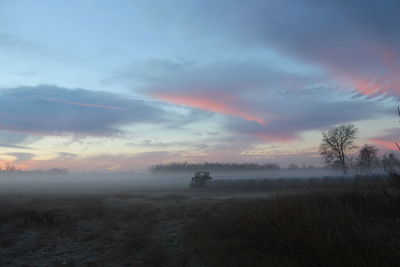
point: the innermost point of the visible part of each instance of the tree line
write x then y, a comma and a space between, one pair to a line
213, 166
336, 148
7, 168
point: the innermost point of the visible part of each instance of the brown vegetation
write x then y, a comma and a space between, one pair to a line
335, 229
317, 226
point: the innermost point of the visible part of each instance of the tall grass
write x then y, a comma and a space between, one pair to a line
331, 229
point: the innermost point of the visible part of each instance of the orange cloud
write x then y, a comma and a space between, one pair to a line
214, 105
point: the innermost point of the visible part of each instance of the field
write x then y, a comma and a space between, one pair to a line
302, 226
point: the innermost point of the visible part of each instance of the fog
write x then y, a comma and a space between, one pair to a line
120, 182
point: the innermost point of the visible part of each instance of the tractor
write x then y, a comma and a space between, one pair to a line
200, 177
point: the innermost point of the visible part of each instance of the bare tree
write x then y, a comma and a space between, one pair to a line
368, 158
336, 145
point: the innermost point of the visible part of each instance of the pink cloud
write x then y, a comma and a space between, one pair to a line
383, 79
384, 143
388, 84
217, 105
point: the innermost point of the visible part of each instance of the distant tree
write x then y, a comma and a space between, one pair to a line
368, 158
213, 166
390, 162
336, 145
57, 171
6, 167
293, 166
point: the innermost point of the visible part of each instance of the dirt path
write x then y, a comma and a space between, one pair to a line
168, 236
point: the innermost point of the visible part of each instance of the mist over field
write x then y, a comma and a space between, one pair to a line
123, 182
199, 133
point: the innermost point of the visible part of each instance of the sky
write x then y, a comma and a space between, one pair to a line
120, 85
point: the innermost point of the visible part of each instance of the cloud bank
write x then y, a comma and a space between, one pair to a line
356, 41
258, 100
52, 110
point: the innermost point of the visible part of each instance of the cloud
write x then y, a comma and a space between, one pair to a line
8, 40
20, 45
353, 49
259, 100
301, 114
388, 140
357, 42
66, 156
354, 45
16, 140
229, 88
14, 146
20, 157
185, 144
104, 162
52, 110
221, 106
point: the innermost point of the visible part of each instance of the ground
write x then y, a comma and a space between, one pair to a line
206, 227
119, 229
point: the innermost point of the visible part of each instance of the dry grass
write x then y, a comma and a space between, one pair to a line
73, 231
331, 229
357, 182
195, 228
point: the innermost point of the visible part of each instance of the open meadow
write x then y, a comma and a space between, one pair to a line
306, 223
195, 133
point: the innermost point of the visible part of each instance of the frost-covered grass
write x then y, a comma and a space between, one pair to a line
311, 229
74, 231
314, 226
